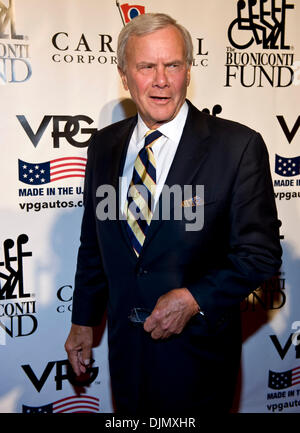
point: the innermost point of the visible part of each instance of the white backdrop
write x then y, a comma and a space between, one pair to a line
58, 83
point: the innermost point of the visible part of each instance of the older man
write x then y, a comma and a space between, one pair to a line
185, 285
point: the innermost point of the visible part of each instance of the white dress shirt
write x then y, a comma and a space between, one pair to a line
164, 150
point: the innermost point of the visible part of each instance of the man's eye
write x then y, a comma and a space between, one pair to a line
145, 67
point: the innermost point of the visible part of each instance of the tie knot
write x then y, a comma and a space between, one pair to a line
151, 136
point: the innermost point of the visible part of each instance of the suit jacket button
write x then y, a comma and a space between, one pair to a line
141, 271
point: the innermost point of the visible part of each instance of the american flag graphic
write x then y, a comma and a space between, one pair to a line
41, 173
74, 404
284, 379
287, 167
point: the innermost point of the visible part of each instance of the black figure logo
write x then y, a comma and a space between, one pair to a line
266, 26
217, 109
7, 19
14, 275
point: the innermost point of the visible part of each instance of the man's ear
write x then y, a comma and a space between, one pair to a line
123, 78
188, 77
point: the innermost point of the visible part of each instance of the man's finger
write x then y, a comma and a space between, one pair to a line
85, 359
74, 361
152, 321
171, 313
79, 347
149, 325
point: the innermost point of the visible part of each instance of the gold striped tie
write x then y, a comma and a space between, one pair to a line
141, 193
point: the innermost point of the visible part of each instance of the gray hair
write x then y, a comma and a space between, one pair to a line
146, 24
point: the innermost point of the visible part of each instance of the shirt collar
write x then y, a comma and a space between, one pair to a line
171, 130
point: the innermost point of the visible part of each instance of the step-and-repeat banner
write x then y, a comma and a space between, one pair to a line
58, 84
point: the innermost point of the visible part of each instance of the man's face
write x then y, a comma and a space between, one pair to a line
156, 75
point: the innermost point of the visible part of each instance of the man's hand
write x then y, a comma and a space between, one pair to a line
171, 313
79, 347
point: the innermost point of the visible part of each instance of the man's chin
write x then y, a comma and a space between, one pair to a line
161, 118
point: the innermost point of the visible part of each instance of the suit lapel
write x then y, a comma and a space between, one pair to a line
189, 156
119, 146
191, 150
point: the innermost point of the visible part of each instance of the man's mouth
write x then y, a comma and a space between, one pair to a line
160, 98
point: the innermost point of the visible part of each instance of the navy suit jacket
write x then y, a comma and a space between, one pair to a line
236, 250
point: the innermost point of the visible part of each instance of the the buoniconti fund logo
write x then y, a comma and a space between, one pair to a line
14, 48
17, 305
260, 53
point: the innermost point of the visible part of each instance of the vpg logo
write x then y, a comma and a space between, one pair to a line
285, 379
67, 127
63, 372
14, 53
261, 24
289, 133
292, 340
16, 310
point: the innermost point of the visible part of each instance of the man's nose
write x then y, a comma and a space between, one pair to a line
160, 77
